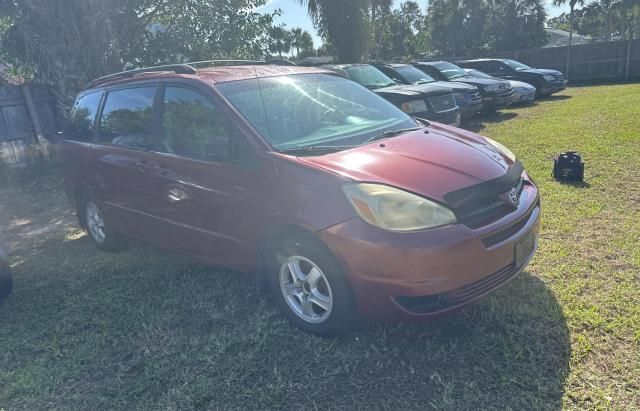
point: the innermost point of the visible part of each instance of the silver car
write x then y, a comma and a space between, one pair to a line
6, 277
522, 92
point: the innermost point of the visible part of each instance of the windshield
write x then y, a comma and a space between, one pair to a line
517, 66
450, 71
369, 76
477, 73
306, 110
413, 75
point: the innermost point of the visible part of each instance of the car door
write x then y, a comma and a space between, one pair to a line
209, 182
121, 159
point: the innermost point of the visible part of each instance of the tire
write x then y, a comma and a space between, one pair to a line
100, 232
320, 301
6, 280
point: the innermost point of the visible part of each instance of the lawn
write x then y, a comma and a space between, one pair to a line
149, 329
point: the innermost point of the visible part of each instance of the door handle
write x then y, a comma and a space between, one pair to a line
177, 195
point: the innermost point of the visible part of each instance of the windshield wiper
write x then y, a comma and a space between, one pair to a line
313, 150
390, 133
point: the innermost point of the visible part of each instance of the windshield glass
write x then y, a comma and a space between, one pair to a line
477, 73
306, 110
450, 71
413, 75
369, 76
517, 66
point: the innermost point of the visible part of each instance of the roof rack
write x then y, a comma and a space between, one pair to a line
226, 62
176, 68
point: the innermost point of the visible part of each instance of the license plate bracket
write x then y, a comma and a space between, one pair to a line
524, 248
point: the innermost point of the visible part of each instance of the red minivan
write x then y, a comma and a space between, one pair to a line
342, 204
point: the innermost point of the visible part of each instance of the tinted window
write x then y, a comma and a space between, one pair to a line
313, 109
369, 76
126, 117
516, 65
414, 76
449, 70
83, 116
193, 127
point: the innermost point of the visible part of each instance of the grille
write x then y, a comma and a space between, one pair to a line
486, 210
434, 303
443, 103
508, 232
559, 76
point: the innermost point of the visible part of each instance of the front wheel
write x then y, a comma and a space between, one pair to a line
311, 288
101, 233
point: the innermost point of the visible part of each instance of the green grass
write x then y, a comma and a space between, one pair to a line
149, 329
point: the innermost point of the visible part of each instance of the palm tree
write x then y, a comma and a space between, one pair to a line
572, 6
280, 40
344, 24
301, 40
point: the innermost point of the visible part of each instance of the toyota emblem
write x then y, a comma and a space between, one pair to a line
513, 196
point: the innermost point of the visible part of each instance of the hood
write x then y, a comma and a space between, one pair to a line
541, 72
455, 86
412, 90
431, 162
479, 81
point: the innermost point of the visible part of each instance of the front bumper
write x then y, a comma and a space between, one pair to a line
496, 101
553, 87
471, 109
523, 96
390, 271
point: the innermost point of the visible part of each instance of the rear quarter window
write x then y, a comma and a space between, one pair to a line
82, 120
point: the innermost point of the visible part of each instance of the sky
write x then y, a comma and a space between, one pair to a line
295, 15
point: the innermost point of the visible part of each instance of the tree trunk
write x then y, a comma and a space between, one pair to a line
570, 43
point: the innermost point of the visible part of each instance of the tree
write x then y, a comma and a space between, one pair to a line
67, 43
279, 40
302, 42
457, 27
343, 24
401, 32
515, 24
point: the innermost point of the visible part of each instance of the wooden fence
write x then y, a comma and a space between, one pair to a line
604, 61
27, 115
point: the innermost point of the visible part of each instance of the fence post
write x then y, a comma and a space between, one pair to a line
568, 63
31, 108
628, 65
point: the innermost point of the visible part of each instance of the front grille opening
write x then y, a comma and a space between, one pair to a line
508, 232
485, 211
429, 304
443, 103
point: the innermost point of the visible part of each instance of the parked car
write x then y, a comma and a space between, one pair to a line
496, 94
468, 97
545, 81
423, 101
522, 92
6, 276
341, 203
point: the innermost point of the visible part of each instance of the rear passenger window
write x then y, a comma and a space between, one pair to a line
82, 118
126, 118
193, 127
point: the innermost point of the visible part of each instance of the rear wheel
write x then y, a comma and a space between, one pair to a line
100, 232
310, 287
6, 280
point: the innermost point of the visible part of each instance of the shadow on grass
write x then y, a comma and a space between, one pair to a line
149, 329
554, 97
478, 123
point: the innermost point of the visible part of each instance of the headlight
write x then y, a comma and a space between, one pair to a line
414, 106
548, 77
502, 149
394, 209
459, 97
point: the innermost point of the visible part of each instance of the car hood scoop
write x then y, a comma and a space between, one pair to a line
443, 163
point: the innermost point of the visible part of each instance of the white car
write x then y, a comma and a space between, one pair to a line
6, 278
522, 92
